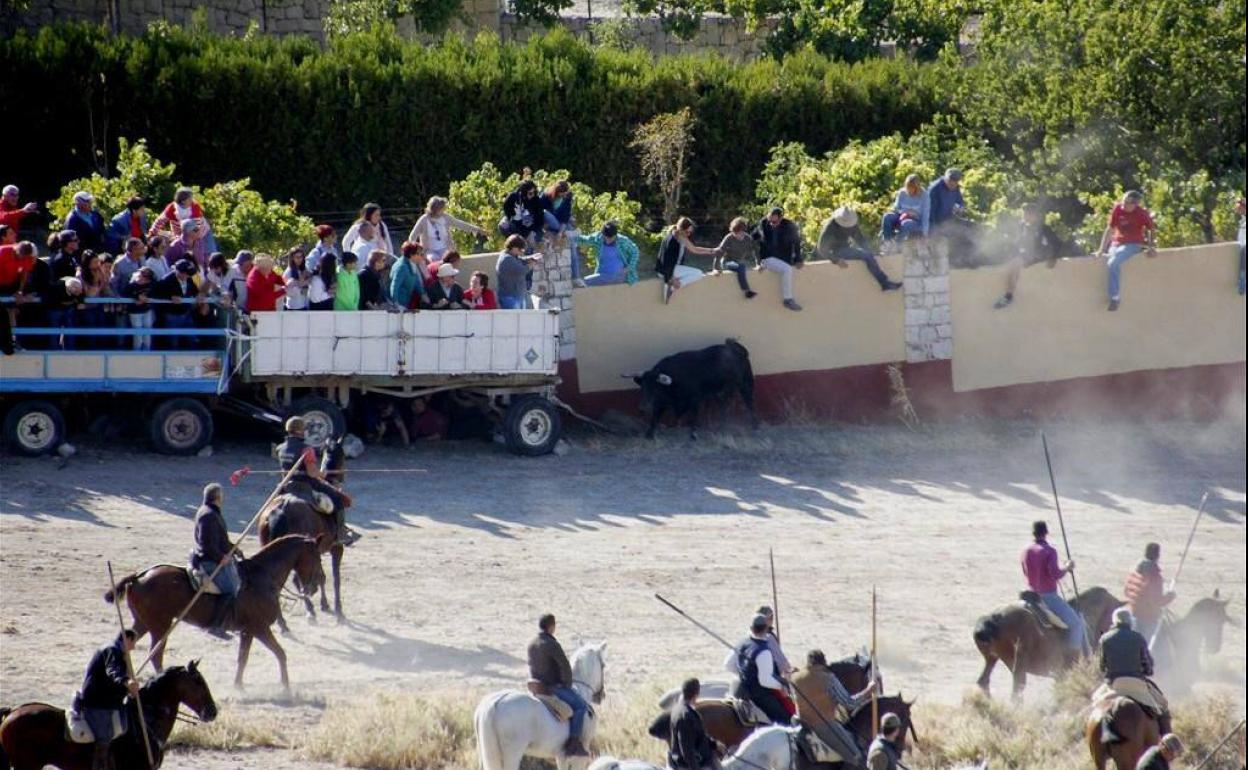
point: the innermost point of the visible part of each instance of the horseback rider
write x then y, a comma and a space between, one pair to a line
309, 479
212, 548
548, 666
758, 674
1127, 666
824, 705
773, 641
1040, 568
1160, 756
885, 751
1146, 593
101, 701
688, 745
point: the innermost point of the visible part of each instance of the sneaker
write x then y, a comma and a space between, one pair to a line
1113, 305
791, 304
891, 285
1003, 302
751, 294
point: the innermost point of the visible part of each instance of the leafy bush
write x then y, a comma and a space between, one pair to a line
240, 216
478, 198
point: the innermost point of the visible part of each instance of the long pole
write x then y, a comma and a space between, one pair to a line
1221, 743
1174, 581
147, 745
775, 597
875, 671
685, 615
202, 586
1057, 503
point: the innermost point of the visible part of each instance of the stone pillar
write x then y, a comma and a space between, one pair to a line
929, 330
552, 282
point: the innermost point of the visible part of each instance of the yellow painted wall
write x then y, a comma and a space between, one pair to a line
1179, 309
846, 321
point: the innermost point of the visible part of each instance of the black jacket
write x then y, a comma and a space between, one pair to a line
168, 288
784, 242
134, 290
1038, 242
833, 238
63, 265
547, 662
371, 291
104, 686
671, 254
533, 205
437, 293
688, 746
212, 538
1124, 652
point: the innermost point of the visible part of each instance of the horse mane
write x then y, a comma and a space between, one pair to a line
271, 552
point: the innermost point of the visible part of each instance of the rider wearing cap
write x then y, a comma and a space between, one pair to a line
309, 478
885, 751
101, 700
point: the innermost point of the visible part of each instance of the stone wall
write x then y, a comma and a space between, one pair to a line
929, 323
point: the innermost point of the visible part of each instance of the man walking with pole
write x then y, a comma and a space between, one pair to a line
1040, 567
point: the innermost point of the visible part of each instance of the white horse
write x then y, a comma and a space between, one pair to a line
511, 724
611, 763
768, 748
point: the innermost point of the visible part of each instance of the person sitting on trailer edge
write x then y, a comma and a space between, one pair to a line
308, 481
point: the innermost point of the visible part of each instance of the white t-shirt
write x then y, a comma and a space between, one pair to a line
296, 295
317, 291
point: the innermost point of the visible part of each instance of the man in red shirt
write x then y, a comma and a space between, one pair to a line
1131, 230
1146, 592
12, 212
1039, 562
16, 262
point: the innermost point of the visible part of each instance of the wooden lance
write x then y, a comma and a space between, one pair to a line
875, 669
775, 597
147, 746
1174, 581
685, 615
1061, 522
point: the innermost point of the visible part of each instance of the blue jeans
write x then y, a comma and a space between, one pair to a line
178, 321
741, 270
599, 279
63, 318
1118, 256
853, 252
892, 226
142, 321
1076, 638
227, 581
507, 302
579, 708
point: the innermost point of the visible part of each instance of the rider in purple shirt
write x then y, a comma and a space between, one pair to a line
1042, 572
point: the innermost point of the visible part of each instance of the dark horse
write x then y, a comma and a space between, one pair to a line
33, 735
1012, 635
723, 724
288, 515
1180, 642
156, 596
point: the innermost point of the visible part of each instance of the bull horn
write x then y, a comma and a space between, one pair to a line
665, 379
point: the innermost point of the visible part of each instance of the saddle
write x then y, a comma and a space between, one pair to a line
557, 708
199, 578
1047, 619
319, 501
78, 731
815, 748
746, 712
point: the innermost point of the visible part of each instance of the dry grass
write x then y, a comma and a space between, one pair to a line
393, 730
229, 732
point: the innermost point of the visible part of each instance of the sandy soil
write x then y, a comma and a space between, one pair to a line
459, 560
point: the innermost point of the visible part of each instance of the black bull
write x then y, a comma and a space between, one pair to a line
682, 381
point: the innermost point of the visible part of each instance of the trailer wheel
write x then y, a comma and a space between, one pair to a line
322, 417
180, 426
532, 426
33, 428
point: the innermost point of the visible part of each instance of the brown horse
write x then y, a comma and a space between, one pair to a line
156, 595
33, 735
1135, 728
723, 724
1180, 642
1012, 635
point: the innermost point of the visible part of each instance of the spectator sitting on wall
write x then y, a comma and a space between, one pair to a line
445, 294
12, 212
296, 276
374, 286
264, 286
676, 245
426, 422
479, 295
84, 220
618, 256
557, 217
1130, 230
836, 242
1239, 212
514, 270
187, 244
179, 288
326, 238
157, 246
63, 247
407, 277
780, 251
347, 293
1033, 243
131, 260
946, 217
738, 250
130, 223
140, 315
433, 229
451, 258
523, 214
380, 238
63, 302
909, 212
321, 287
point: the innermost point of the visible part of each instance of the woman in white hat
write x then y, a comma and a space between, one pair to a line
445, 293
837, 242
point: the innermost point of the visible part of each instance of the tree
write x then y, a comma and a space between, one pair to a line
664, 144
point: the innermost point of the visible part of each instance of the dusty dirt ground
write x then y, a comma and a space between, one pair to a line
458, 561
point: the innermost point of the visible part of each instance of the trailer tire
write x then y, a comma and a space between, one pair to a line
180, 426
323, 419
33, 428
532, 426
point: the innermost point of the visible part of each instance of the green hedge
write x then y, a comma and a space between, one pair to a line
372, 117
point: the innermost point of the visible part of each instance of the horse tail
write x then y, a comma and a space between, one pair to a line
112, 595
987, 629
489, 747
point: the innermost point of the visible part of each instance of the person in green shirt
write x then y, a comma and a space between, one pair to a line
347, 295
